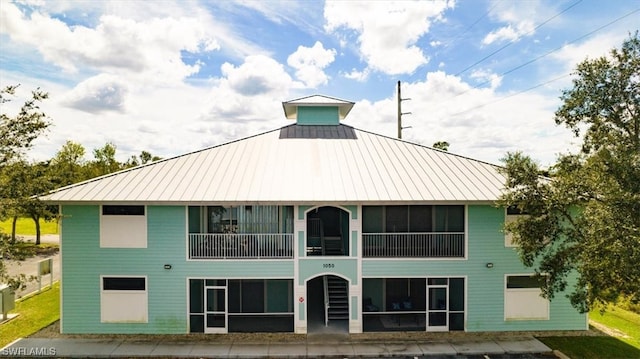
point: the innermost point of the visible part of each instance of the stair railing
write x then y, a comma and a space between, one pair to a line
325, 281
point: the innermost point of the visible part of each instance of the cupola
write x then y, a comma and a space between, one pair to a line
317, 110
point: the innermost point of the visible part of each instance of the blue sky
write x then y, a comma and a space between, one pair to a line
171, 77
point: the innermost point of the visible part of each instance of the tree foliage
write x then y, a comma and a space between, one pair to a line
18, 132
585, 219
68, 164
441, 145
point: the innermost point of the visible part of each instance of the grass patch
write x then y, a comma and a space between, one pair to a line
590, 347
622, 340
626, 324
26, 227
36, 312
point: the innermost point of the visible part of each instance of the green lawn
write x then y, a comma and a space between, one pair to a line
26, 227
36, 312
592, 347
623, 320
624, 344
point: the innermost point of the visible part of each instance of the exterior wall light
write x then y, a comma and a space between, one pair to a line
489, 265
167, 266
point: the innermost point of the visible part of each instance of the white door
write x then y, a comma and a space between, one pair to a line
215, 318
437, 308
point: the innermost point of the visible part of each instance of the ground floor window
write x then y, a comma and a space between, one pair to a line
413, 304
123, 299
240, 305
522, 300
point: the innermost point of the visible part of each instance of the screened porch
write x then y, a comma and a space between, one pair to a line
242, 232
422, 231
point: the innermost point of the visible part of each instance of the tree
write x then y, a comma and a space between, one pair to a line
19, 184
441, 145
18, 132
105, 161
13, 187
67, 166
31, 206
585, 219
144, 158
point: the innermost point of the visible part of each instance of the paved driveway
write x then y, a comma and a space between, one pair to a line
29, 267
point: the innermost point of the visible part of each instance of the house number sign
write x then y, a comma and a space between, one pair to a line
328, 265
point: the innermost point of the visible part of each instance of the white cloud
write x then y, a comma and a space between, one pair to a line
520, 18
483, 76
258, 75
99, 94
508, 33
360, 76
592, 48
168, 120
387, 31
149, 49
310, 63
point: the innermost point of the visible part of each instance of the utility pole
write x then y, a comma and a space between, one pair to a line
400, 113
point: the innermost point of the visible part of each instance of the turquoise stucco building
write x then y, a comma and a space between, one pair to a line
311, 225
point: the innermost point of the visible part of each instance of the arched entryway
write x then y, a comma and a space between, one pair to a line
327, 232
327, 304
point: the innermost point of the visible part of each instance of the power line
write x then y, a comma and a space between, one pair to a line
511, 95
461, 35
516, 39
552, 51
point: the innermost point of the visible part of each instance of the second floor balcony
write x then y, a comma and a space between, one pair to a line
280, 245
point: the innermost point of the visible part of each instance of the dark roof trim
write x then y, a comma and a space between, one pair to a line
333, 132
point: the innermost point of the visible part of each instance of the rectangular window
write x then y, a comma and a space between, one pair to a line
420, 219
397, 219
123, 227
414, 219
123, 283
524, 281
449, 218
240, 219
123, 210
123, 300
514, 211
372, 219
522, 299
252, 300
260, 296
512, 214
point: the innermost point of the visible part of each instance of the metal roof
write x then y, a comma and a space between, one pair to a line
266, 168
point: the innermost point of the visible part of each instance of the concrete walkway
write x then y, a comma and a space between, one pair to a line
517, 347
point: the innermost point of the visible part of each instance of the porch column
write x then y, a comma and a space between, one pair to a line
300, 290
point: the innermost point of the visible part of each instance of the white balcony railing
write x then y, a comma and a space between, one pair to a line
414, 245
240, 246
